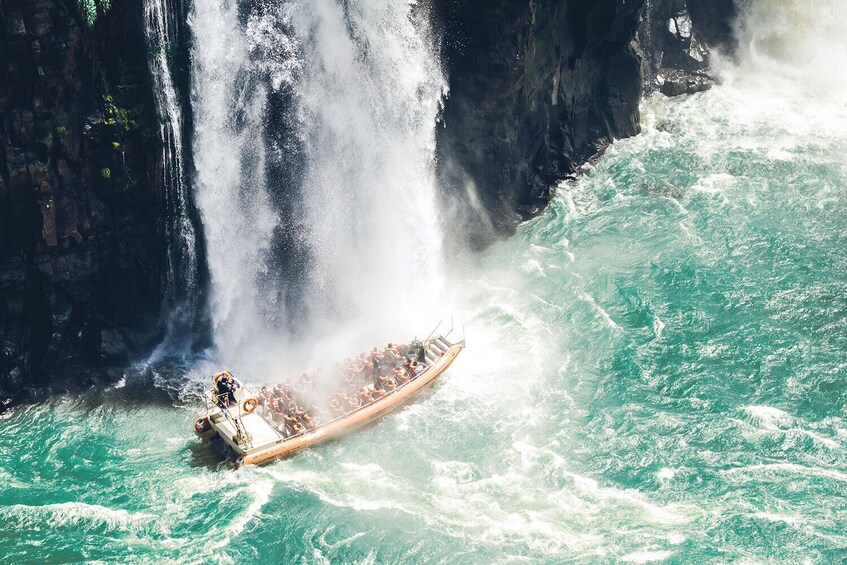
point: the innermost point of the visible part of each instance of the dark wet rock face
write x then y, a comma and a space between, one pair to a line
536, 88
677, 38
81, 247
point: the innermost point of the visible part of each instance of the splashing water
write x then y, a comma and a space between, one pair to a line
362, 87
803, 39
182, 291
238, 219
654, 374
370, 94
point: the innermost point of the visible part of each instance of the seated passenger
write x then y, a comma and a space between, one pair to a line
335, 406
401, 376
364, 396
264, 398
376, 394
352, 401
308, 421
388, 383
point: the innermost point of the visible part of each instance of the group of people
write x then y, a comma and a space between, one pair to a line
365, 379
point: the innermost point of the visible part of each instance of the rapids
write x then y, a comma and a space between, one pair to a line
654, 372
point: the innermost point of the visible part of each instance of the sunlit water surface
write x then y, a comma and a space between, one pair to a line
655, 371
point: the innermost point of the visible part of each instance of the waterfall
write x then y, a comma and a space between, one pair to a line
182, 288
370, 94
314, 146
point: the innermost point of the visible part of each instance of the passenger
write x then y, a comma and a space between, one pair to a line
264, 398
376, 363
364, 397
401, 376
226, 388
376, 394
306, 379
294, 425
308, 421
388, 383
335, 406
352, 402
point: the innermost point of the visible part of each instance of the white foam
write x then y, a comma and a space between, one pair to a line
751, 471
647, 556
658, 326
768, 417
76, 515
603, 314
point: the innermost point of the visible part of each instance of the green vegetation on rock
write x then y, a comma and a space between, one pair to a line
90, 9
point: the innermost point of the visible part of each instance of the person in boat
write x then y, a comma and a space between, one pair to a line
376, 364
226, 388
364, 397
335, 406
351, 401
376, 394
388, 382
265, 398
401, 376
417, 368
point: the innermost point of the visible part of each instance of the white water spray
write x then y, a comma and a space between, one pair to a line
801, 39
229, 156
365, 86
182, 281
370, 95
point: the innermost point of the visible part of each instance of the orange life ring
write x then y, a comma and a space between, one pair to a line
202, 425
250, 404
218, 376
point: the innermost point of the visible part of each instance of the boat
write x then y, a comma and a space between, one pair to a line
253, 436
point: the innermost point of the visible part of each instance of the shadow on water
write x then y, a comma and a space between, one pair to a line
210, 453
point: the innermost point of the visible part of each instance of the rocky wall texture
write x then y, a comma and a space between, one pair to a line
677, 38
537, 87
81, 243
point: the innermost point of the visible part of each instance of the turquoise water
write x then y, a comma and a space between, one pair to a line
655, 372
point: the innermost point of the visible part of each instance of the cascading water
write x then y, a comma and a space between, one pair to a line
656, 368
369, 95
229, 103
362, 86
182, 288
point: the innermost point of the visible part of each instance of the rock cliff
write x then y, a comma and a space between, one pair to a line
81, 243
536, 88
677, 38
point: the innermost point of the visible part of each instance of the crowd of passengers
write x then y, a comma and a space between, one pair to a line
365, 379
